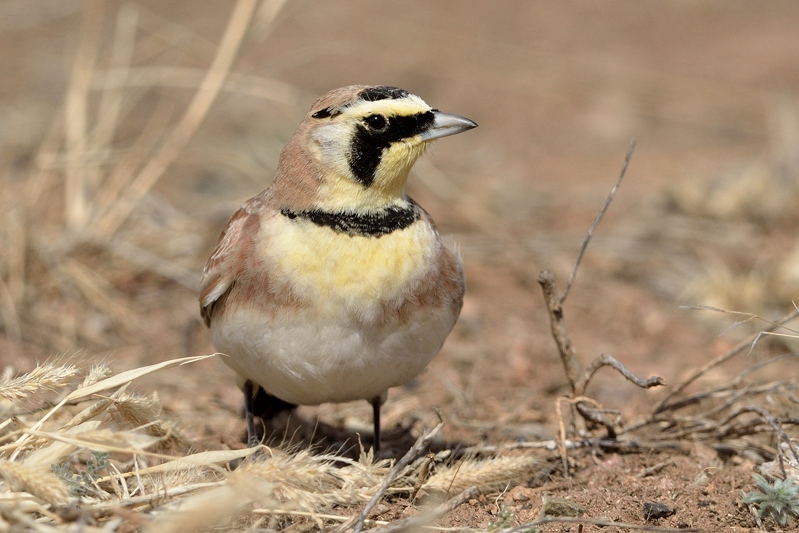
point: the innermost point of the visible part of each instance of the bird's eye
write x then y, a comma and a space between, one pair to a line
376, 123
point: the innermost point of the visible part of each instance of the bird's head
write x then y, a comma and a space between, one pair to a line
356, 146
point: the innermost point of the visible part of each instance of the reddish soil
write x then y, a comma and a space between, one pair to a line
708, 90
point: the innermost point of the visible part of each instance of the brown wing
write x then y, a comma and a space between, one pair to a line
229, 258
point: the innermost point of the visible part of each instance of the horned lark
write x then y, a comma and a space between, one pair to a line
332, 284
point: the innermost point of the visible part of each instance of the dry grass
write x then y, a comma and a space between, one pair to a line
108, 458
79, 454
82, 209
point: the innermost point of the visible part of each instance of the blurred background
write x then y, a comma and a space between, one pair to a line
129, 132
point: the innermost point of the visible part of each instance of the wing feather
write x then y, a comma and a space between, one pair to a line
226, 262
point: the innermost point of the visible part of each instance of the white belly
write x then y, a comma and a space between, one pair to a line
309, 359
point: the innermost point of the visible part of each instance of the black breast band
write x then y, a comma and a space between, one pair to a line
375, 224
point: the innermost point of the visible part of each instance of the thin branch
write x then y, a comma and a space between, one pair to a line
555, 301
773, 422
570, 444
609, 360
598, 416
417, 448
663, 404
599, 216
564, 457
413, 523
594, 522
558, 328
425, 470
733, 392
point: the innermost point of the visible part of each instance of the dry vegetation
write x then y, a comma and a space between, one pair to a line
80, 452
110, 461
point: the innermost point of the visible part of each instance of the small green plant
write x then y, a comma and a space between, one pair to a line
504, 520
83, 482
779, 500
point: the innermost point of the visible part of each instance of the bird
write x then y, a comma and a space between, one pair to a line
332, 284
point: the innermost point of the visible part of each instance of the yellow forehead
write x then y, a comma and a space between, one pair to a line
405, 106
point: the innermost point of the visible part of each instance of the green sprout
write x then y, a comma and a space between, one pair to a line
81, 483
505, 520
779, 500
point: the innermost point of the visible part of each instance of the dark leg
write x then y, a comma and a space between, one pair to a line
376, 418
252, 438
261, 404
266, 406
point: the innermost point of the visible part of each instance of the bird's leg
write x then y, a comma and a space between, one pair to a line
376, 401
252, 438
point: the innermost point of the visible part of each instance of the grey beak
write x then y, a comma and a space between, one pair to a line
446, 124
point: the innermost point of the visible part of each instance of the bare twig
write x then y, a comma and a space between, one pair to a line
591, 411
571, 444
732, 391
598, 416
423, 472
417, 448
558, 327
599, 216
699, 428
609, 360
562, 440
654, 469
572, 367
594, 522
555, 301
775, 423
546, 279
413, 523
664, 405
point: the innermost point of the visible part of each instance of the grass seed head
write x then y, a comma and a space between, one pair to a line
486, 474
39, 482
44, 378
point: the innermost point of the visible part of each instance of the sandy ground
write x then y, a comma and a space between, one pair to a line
705, 216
